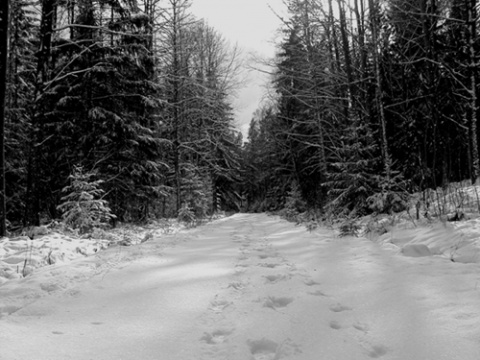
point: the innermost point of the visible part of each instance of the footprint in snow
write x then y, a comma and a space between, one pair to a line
239, 271
311, 282
263, 349
50, 287
218, 306
237, 285
339, 308
318, 293
73, 292
335, 325
376, 351
270, 279
361, 327
9, 309
277, 302
271, 265
216, 337
242, 265
237, 239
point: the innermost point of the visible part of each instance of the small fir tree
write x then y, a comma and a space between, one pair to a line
82, 207
186, 215
353, 178
294, 203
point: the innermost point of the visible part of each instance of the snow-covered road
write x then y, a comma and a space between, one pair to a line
248, 287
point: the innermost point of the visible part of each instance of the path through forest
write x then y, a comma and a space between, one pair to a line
250, 287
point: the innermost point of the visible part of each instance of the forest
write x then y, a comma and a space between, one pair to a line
122, 109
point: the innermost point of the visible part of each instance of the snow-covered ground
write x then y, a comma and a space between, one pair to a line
246, 287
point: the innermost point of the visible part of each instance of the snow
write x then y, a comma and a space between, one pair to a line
246, 287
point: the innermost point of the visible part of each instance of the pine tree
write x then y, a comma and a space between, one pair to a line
198, 76
99, 108
4, 22
20, 85
83, 207
353, 178
265, 179
427, 82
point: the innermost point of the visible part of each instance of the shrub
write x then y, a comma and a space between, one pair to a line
186, 215
82, 207
294, 203
349, 228
388, 202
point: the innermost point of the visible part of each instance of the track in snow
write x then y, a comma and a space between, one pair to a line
253, 287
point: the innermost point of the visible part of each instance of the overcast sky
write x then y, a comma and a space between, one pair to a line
253, 26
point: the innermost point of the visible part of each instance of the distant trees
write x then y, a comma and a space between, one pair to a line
197, 71
265, 174
392, 89
324, 113
370, 98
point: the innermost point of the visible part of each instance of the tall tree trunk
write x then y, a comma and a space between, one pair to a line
176, 103
332, 36
32, 207
346, 51
379, 90
46, 30
472, 19
311, 57
4, 21
359, 14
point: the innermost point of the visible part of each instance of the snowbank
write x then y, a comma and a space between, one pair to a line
20, 256
455, 241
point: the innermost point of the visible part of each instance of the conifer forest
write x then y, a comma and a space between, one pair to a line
126, 106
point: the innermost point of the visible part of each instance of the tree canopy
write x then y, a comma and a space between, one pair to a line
371, 98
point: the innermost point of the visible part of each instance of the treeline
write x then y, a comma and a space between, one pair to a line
126, 103
372, 99
130, 95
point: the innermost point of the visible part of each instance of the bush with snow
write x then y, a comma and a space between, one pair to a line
349, 227
82, 207
186, 215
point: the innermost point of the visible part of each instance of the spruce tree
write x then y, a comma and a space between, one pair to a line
4, 23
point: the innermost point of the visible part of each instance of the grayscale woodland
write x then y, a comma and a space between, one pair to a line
126, 105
